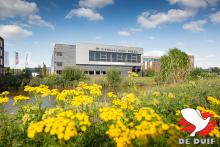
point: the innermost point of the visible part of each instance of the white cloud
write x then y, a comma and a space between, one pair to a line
148, 20
86, 13
24, 9
38, 21
134, 30
124, 33
155, 53
95, 3
14, 8
194, 3
195, 26
13, 31
215, 18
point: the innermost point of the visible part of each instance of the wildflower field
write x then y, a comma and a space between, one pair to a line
86, 116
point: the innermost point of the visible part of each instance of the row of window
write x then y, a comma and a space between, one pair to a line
114, 57
1, 52
1, 43
151, 60
91, 72
1, 61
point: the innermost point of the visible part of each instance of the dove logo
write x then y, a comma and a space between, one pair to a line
196, 122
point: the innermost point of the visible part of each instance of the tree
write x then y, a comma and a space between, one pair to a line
175, 67
44, 70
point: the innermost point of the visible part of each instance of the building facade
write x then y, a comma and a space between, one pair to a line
151, 62
96, 59
1, 55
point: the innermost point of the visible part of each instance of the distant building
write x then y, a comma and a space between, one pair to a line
1, 55
96, 59
152, 62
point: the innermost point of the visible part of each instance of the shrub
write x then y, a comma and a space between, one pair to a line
73, 74
196, 73
114, 76
175, 67
149, 73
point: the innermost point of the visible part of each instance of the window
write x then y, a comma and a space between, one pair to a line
86, 72
91, 72
114, 57
1, 52
97, 72
1, 61
91, 56
1, 43
59, 54
59, 63
103, 56
59, 71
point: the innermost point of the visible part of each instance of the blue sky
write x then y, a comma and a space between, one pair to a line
155, 25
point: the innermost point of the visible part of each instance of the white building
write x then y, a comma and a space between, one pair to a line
96, 59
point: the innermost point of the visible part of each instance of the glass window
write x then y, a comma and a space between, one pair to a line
103, 56
91, 56
97, 56
91, 72
120, 57
59, 54
97, 72
109, 57
1, 43
1, 61
114, 57
1, 52
59, 63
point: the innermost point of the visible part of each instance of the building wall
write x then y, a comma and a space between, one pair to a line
67, 58
79, 55
1, 55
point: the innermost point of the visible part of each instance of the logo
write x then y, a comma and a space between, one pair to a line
196, 122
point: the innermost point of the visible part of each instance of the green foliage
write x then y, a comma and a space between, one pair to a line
175, 67
114, 77
196, 73
50, 80
44, 70
149, 73
70, 74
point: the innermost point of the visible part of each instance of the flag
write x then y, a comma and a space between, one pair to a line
16, 58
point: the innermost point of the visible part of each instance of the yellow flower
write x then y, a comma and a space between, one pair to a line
4, 100
156, 93
64, 125
81, 100
170, 95
110, 113
20, 98
111, 95
213, 100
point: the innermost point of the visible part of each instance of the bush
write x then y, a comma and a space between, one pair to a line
114, 77
51, 81
73, 74
149, 73
175, 67
196, 73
